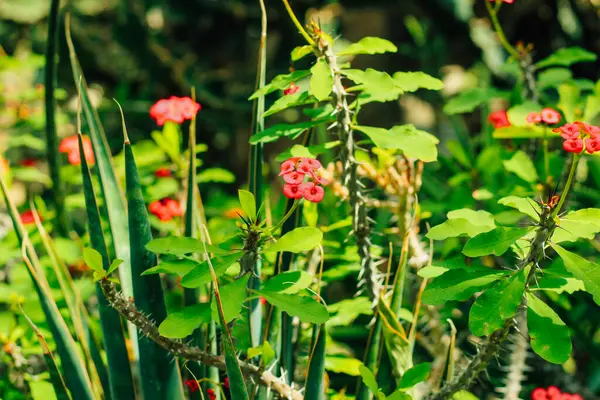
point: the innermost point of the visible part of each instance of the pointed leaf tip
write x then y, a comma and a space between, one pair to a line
125, 136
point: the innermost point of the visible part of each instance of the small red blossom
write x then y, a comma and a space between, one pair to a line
591, 130
292, 191
294, 170
226, 383
534, 118
162, 173
165, 209
312, 192
192, 384
29, 162
27, 217
568, 131
291, 90
578, 136
263, 301
176, 109
573, 145
70, 145
550, 116
211, 394
553, 393
294, 177
499, 119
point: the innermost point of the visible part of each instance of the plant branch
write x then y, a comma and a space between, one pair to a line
127, 309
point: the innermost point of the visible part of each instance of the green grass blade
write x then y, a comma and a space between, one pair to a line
190, 296
58, 193
60, 388
76, 376
120, 376
315, 380
159, 370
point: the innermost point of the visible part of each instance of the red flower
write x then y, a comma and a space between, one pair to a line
226, 383
162, 173
592, 145
589, 129
176, 109
29, 162
294, 177
165, 209
27, 217
539, 394
573, 145
292, 191
70, 145
499, 119
291, 90
287, 166
192, 384
575, 134
534, 118
550, 116
312, 192
211, 394
568, 131
263, 301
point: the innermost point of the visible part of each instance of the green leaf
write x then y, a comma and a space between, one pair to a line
459, 284
182, 323
584, 270
550, 337
321, 81
93, 259
521, 165
464, 395
413, 142
304, 307
266, 350
370, 381
201, 275
413, 81
525, 205
416, 374
584, 223
280, 82
566, 57
376, 86
568, 98
399, 395
315, 378
346, 311
343, 365
494, 242
41, 390
592, 108
297, 241
290, 282
298, 150
463, 222
521, 132
179, 267
114, 265
553, 77
217, 175
301, 52
467, 101
290, 100
278, 131
248, 203
21, 12
233, 296
180, 246
369, 45
497, 304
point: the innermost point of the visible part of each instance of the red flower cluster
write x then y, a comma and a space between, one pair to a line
499, 119
211, 394
192, 384
162, 173
294, 170
70, 145
575, 135
27, 217
292, 89
547, 116
553, 393
166, 209
176, 109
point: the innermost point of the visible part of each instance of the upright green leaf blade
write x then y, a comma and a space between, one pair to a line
315, 378
248, 203
550, 337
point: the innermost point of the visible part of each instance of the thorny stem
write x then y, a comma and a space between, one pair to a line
127, 309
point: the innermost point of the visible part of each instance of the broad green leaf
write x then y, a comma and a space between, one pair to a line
114, 265
297, 241
493, 242
280, 82
369, 45
265, 350
93, 259
180, 246
521, 165
180, 267
375, 86
233, 296
413, 81
370, 381
248, 203
467, 101
413, 142
568, 98
290, 100
525, 205
584, 270
217, 175
566, 57
201, 275
459, 284
463, 222
290, 282
287, 130
478, 218
41, 390
584, 223
521, 132
416, 374
553, 77
550, 337
321, 81
301, 52
497, 303
343, 365
399, 395
346, 311
464, 395
182, 323
304, 307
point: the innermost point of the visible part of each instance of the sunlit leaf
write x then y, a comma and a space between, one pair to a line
566, 57
550, 337
321, 81
297, 241
584, 270
180, 324
460, 285
369, 45
494, 242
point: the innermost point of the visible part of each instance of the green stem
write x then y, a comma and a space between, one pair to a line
567, 187
498, 28
297, 23
546, 160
